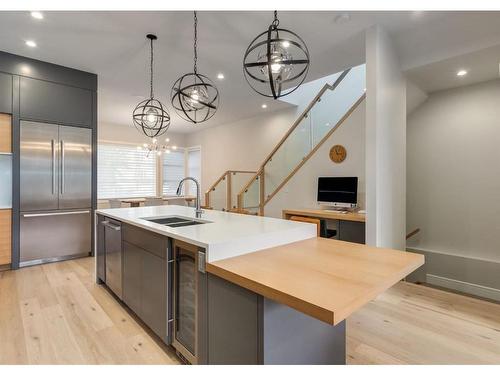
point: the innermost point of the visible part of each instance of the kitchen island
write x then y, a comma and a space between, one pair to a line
238, 289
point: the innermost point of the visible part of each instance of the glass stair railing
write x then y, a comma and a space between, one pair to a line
222, 195
325, 114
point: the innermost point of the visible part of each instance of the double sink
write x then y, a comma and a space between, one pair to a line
175, 221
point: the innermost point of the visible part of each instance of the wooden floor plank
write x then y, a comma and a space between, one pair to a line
70, 319
36, 335
12, 343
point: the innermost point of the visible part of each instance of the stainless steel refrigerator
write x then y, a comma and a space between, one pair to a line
55, 192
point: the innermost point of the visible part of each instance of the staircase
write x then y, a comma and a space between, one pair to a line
322, 117
222, 195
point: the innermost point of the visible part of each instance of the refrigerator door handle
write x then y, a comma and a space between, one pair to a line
53, 144
62, 167
57, 213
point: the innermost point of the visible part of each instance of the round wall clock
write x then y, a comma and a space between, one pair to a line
338, 153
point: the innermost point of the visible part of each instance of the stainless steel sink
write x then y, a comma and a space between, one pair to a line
174, 221
184, 223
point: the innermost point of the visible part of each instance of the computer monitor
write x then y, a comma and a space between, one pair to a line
338, 191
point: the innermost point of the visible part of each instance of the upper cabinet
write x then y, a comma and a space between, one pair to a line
52, 102
5, 93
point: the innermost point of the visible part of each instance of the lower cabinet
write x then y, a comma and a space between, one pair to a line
351, 231
146, 287
154, 293
132, 278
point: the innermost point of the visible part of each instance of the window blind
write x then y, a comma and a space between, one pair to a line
124, 171
174, 168
194, 167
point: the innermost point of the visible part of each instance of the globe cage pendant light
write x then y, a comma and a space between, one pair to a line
276, 62
150, 116
194, 96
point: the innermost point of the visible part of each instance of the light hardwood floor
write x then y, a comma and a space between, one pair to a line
56, 314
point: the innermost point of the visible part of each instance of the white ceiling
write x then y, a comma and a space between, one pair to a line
482, 65
113, 45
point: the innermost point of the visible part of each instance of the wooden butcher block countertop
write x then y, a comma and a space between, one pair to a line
326, 279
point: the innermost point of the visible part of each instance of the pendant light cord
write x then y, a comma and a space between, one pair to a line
276, 21
151, 66
195, 42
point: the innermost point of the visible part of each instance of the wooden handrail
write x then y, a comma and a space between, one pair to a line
263, 200
327, 86
412, 233
311, 153
304, 113
222, 177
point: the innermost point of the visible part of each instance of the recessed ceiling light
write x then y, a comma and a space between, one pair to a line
25, 69
220, 76
461, 73
30, 43
264, 106
37, 15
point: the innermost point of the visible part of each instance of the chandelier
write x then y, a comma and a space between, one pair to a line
194, 96
157, 148
276, 62
150, 116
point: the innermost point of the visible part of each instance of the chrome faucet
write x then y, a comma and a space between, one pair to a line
199, 211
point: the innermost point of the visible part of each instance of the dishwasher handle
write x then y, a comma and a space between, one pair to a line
107, 224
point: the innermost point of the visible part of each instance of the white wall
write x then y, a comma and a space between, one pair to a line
242, 145
127, 133
415, 96
301, 189
453, 172
385, 143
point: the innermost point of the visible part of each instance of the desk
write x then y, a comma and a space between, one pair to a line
351, 225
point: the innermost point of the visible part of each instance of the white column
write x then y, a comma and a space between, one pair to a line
385, 143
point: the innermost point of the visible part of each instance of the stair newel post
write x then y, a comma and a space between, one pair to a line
207, 199
262, 196
228, 190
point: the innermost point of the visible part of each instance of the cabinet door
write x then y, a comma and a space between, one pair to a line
52, 102
351, 231
154, 293
5, 93
132, 269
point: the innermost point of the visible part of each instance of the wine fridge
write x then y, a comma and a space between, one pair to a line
189, 263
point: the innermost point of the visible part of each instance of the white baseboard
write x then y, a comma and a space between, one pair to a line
475, 289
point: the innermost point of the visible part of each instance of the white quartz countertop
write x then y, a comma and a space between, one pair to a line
225, 234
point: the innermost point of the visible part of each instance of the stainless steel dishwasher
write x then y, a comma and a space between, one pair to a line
113, 251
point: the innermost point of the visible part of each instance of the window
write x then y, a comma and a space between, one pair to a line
174, 168
125, 171
194, 167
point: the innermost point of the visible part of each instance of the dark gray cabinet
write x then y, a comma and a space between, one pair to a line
51, 102
154, 293
351, 231
146, 278
5, 93
132, 270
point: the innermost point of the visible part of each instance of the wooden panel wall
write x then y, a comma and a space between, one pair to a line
5, 133
5, 236
5, 214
